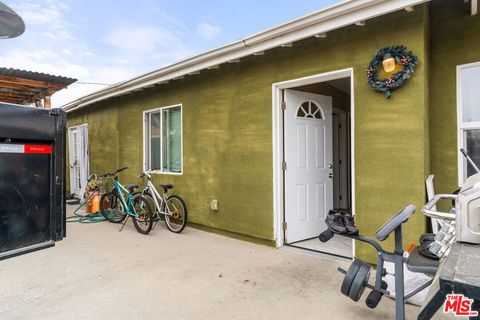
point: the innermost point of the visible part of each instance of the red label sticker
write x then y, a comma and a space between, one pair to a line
38, 149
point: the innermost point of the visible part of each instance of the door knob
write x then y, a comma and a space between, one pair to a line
330, 166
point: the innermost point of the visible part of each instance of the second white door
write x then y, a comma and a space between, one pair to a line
78, 158
308, 157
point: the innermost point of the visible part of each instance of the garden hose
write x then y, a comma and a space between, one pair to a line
88, 218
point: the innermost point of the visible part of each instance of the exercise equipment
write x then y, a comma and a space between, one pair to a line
460, 224
358, 274
464, 217
465, 154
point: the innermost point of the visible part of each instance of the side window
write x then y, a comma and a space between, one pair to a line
468, 104
163, 140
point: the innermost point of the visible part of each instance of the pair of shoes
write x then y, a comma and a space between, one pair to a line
334, 222
341, 222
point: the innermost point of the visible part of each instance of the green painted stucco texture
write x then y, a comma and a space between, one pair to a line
455, 40
227, 129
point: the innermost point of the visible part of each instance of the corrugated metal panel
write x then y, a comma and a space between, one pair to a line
37, 76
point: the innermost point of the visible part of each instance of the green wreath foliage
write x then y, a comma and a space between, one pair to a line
402, 57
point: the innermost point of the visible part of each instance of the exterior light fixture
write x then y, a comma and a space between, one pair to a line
11, 24
388, 63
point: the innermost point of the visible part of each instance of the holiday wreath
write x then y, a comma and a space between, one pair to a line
402, 57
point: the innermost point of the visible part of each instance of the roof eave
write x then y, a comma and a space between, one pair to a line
334, 17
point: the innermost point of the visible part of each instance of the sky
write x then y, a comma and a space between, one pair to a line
105, 42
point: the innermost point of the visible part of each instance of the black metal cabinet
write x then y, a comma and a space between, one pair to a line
32, 178
458, 273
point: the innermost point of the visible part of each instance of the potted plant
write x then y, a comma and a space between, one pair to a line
93, 194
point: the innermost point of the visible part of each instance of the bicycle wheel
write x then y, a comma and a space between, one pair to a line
178, 220
111, 208
144, 222
151, 202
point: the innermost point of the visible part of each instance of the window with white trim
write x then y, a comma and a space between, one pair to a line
163, 139
468, 104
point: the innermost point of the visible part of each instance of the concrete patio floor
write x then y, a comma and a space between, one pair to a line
100, 273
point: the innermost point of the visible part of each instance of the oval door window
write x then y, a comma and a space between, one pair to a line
310, 110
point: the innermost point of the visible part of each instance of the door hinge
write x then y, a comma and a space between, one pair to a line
284, 226
284, 105
284, 166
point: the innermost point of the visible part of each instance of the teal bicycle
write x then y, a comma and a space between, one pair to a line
121, 202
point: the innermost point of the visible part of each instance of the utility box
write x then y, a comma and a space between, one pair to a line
32, 178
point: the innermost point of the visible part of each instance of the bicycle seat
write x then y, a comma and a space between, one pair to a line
399, 218
132, 186
167, 186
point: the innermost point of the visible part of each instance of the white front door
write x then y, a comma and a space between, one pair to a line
308, 157
78, 158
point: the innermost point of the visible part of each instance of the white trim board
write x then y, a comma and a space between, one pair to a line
319, 23
461, 126
277, 134
144, 151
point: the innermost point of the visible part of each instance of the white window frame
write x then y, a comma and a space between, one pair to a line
463, 126
146, 139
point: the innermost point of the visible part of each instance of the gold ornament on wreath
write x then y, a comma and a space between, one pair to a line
391, 58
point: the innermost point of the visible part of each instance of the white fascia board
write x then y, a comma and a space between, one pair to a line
337, 16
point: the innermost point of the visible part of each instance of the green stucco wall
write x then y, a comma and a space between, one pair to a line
390, 135
227, 127
455, 40
103, 135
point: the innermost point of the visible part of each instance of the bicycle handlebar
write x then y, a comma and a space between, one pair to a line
121, 169
113, 173
145, 174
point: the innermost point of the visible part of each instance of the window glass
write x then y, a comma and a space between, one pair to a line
172, 140
472, 138
155, 141
470, 93
164, 136
309, 110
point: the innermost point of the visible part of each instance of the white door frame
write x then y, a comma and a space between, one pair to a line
87, 164
277, 127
